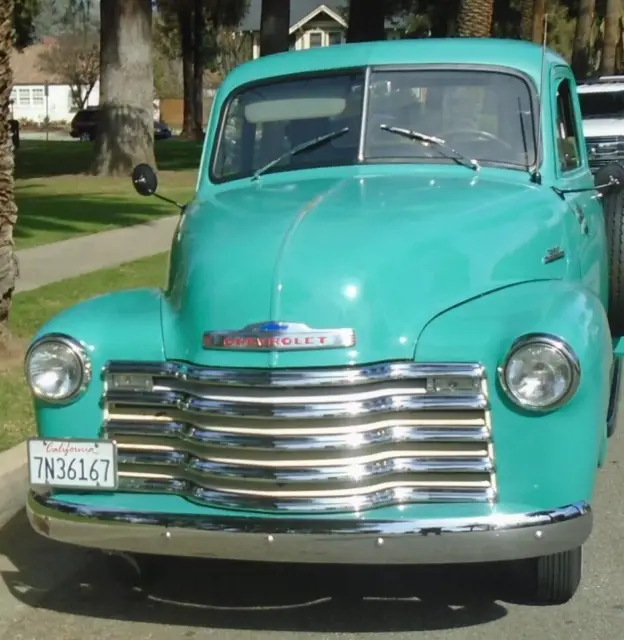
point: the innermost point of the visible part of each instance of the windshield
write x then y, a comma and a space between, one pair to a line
602, 105
482, 115
267, 121
477, 115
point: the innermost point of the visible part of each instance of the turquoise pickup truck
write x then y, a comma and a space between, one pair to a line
389, 333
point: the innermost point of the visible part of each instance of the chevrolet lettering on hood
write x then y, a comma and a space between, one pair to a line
282, 336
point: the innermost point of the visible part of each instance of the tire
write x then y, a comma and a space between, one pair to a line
613, 205
132, 571
552, 580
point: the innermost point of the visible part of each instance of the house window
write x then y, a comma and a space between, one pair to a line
334, 37
38, 96
23, 97
315, 39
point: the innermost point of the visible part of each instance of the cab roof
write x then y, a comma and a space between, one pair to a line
521, 55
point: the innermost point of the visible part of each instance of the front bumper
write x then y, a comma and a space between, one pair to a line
340, 541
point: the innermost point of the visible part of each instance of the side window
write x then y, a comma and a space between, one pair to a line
568, 141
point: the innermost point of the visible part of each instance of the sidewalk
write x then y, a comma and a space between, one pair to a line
75, 257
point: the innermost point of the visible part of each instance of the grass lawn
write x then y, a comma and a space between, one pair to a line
57, 200
32, 308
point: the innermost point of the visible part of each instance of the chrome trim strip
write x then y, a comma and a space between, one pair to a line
383, 494
560, 345
211, 407
357, 469
317, 377
352, 436
81, 354
495, 537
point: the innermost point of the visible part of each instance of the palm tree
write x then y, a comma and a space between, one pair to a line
8, 210
582, 38
611, 37
475, 18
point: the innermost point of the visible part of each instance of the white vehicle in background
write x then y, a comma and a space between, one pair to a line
602, 107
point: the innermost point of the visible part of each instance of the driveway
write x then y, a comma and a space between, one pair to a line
57, 592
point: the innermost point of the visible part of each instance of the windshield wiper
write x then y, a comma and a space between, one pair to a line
304, 146
438, 142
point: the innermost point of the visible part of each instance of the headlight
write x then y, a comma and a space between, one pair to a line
540, 373
57, 368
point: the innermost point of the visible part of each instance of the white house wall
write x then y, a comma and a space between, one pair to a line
29, 102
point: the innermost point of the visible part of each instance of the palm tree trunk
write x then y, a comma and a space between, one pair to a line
611, 37
539, 11
582, 38
8, 209
274, 27
526, 20
475, 18
366, 21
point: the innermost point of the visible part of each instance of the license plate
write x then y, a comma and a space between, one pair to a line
72, 464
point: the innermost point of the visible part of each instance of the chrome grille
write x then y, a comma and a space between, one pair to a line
304, 440
604, 150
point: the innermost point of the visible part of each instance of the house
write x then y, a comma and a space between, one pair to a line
312, 24
37, 95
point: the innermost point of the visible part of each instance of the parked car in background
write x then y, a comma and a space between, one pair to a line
602, 108
85, 122
389, 334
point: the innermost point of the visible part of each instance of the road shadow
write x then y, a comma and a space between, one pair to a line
41, 159
44, 217
246, 596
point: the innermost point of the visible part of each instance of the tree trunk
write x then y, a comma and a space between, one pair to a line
185, 21
8, 209
199, 26
582, 38
366, 21
126, 128
274, 27
611, 37
475, 18
539, 13
526, 20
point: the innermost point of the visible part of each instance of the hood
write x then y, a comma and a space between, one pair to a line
381, 255
602, 127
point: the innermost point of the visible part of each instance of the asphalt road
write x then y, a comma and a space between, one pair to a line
58, 592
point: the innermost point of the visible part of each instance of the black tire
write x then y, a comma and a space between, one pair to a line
132, 571
613, 205
552, 580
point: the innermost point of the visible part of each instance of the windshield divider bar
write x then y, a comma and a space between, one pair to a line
365, 101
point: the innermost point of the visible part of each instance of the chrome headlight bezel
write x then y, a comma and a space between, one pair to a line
553, 342
77, 350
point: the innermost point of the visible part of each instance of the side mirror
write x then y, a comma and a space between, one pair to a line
145, 180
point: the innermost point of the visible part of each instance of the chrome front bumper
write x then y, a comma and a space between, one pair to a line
448, 541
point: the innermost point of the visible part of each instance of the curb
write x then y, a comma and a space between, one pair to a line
13, 482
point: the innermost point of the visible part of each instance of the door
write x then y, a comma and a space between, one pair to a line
572, 172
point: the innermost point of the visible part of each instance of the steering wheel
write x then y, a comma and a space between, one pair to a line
477, 134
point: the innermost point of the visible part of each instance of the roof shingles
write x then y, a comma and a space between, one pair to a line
25, 65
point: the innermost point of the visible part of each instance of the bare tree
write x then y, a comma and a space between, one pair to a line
126, 126
232, 48
75, 59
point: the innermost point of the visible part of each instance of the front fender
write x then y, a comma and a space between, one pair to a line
124, 325
541, 459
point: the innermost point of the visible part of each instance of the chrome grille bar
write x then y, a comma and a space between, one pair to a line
304, 440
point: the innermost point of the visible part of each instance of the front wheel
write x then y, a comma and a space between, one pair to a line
554, 579
133, 570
